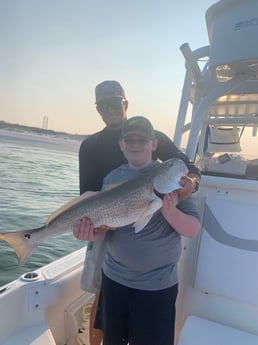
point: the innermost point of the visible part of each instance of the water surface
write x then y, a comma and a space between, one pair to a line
35, 181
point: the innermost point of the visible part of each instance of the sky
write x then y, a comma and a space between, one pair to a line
54, 53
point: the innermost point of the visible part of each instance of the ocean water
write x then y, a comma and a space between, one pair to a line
37, 175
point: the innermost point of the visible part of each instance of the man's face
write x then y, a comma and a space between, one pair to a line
113, 111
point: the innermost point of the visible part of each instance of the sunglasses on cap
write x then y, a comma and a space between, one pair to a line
115, 104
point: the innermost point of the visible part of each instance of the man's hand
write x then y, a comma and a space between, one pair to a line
189, 185
84, 230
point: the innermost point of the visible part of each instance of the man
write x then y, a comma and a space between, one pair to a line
100, 153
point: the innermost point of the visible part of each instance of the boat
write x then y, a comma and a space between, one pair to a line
218, 273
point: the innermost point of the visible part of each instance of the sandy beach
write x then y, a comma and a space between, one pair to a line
37, 140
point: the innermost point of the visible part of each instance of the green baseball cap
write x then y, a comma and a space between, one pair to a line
138, 125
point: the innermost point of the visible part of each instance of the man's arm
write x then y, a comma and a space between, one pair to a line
89, 176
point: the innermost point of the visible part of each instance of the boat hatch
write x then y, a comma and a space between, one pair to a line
198, 331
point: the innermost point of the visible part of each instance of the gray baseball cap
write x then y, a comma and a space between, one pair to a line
109, 89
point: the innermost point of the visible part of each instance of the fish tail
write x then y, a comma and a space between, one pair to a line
19, 240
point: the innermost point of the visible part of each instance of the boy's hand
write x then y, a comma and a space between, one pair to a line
170, 201
84, 230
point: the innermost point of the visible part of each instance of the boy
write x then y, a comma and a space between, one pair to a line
139, 281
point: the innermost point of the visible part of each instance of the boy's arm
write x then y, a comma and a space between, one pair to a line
185, 224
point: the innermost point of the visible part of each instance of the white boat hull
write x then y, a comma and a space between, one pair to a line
45, 306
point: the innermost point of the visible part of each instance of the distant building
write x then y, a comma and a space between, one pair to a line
45, 122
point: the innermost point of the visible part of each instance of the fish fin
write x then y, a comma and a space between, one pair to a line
69, 204
78, 199
20, 244
144, 219
142, 222
113, 185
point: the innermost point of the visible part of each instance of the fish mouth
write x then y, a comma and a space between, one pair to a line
158, 194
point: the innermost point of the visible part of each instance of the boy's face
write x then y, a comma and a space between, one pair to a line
138, 150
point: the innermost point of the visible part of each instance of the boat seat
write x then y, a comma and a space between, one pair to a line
37, 335
198, 331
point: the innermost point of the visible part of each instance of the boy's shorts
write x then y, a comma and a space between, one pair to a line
136, 316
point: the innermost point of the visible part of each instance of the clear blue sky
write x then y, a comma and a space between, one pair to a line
54, 52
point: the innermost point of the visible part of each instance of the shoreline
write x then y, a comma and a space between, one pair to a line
48, 142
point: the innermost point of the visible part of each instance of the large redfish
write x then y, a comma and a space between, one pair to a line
132, 202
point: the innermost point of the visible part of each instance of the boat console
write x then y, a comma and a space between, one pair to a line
217, 127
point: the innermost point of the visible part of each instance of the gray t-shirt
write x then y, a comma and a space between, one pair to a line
146, 260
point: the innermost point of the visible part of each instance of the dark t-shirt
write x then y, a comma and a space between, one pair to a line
100, 153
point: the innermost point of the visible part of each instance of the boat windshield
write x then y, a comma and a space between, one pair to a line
230, 151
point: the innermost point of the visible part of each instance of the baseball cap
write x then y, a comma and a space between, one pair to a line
138, 125
109, 89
